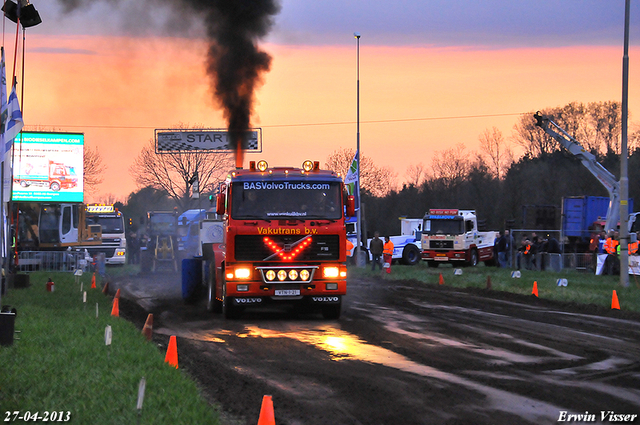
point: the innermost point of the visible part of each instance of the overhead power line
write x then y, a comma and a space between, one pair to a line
457, 117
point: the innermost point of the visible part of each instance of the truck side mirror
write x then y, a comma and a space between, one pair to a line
220, 204
351, 206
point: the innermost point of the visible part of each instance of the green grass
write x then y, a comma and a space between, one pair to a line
61, 363
582, 288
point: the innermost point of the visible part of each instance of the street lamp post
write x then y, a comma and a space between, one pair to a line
624, 177
359, 257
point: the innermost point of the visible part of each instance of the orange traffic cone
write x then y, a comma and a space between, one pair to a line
535, 288
267, 416
488, 282
115, 310
105, 290
93, 281
172, 352
117, 294
441, 282
147, 330
614, 301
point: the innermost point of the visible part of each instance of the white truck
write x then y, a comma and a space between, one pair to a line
406, 246
452, 236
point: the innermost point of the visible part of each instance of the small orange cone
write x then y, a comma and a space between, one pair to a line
93, 281
267, 416
614, 301
172, 352
115, 310
105, 290
535, 288
441, 282
488, 282
147, 330
117, 294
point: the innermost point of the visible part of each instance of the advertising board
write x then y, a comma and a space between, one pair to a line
48, 167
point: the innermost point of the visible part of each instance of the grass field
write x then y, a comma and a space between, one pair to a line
60, 363
582, 288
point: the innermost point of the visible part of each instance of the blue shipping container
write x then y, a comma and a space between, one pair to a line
580, 212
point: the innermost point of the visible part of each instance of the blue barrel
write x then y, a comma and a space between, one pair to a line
191, 277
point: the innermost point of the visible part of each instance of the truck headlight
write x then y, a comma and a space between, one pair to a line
330, 272
242, 273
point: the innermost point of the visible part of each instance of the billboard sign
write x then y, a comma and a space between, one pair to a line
48, 167
171, 141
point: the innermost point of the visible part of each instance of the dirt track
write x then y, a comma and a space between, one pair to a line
404, 353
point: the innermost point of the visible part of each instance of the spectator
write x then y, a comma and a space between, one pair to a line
376, 246
387, 253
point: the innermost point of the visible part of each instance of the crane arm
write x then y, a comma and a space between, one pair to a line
603, 175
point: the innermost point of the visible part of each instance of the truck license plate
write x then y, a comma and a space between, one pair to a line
287, 292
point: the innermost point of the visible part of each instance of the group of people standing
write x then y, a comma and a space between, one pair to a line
381, 252
525, 253
609, 243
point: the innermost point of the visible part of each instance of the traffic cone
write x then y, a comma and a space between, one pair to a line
441, 282
147, 330
172, 352
488, 282
117, 294
614, 301
267, 415
535, 288
115, 310
105, 290
93, 281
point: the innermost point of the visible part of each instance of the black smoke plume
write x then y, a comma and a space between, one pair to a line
235, 63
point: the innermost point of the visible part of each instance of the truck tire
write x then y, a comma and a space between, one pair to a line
213, 304
229, 310
55, 186
332, 311
473, 258
411, 255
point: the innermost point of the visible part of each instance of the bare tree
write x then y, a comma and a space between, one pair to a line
533, 140
416, 174
378, 181
452, 165
172, 172
606, 119
496, 152
93, 169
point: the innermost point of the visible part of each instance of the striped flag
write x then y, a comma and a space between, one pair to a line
351, 180
14, 123
3, 102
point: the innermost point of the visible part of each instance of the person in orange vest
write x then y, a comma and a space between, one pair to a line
349, 249
633, 246
611, 264
387, 253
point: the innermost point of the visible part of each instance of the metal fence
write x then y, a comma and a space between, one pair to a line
60, 261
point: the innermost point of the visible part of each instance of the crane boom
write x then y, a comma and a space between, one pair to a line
603, 175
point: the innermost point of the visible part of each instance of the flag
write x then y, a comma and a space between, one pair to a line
351, 180
14, 123
3, 102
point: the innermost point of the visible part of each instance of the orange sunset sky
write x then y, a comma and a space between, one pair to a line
415, 98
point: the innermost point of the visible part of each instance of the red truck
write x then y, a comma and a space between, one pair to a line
283, 240
55, 177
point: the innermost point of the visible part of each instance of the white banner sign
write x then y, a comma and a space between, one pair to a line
168, 141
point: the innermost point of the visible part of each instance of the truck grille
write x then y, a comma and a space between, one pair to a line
441, 244
255, 248
108, 252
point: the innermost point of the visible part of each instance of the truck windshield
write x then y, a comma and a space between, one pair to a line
286, 200
110, 224
439, 226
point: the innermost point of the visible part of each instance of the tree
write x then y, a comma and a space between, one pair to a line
378, 181
496, 152
416, 174
451, 166
93, 169
172, 172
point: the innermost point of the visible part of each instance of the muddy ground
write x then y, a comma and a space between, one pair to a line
403, 353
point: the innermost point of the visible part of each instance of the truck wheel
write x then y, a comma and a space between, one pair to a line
229, 310
410, 255
332, 311
473, 260
213, 304
55, 186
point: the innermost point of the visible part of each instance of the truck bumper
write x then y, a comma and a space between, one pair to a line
444, 256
